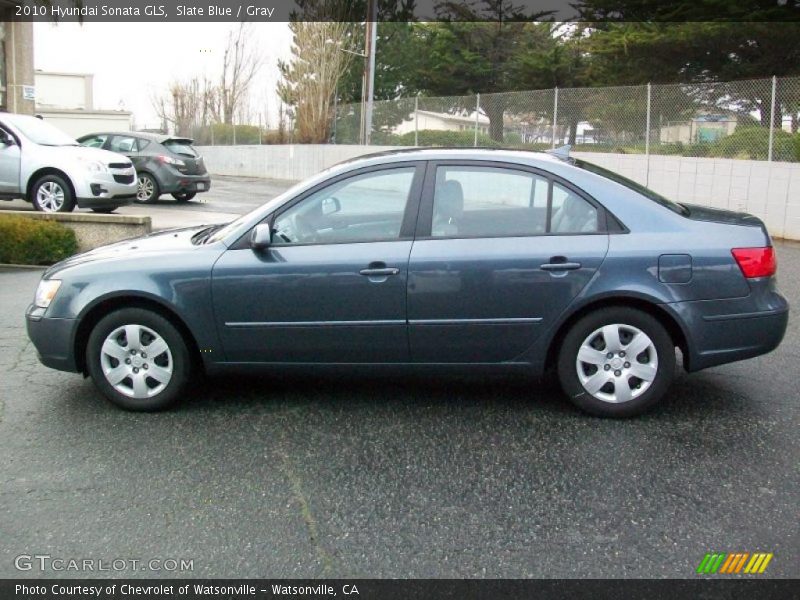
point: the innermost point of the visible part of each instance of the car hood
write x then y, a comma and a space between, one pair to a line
158, 243
95, 154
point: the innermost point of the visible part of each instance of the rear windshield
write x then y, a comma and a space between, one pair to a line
630, 184
181, 147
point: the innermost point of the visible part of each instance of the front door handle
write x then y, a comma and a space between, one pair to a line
379, 272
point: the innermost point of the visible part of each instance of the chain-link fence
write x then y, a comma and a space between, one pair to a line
754, 119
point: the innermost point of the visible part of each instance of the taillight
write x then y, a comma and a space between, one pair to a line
756, 262
170, 161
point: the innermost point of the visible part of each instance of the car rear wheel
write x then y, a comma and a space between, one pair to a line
184, 196
616, 362
52, 193
138, 359
147, 191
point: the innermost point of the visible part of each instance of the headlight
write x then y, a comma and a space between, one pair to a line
46, 292
93, 166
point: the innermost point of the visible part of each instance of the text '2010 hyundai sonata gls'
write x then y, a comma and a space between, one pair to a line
435, 257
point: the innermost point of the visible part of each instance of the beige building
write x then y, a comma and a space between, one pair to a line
425, 119
17, 86
67, 101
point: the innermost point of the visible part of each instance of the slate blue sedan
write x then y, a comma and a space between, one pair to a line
505, 259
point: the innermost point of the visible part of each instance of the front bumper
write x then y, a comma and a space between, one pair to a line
107, 190
53, 339
724, 331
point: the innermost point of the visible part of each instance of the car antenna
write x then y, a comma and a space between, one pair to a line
561, 153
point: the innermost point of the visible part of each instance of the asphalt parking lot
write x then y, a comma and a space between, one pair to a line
349, 475
228, 198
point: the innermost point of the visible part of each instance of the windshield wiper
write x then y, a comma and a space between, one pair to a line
201, 236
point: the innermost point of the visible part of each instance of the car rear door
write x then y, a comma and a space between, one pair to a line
489, 271
332, 285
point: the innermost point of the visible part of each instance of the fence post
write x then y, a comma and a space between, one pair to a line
555, 114
772, 118
477, 115
416, 120
647, 137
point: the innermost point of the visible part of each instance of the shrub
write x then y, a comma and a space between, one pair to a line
461, 139
753, 143
25, 241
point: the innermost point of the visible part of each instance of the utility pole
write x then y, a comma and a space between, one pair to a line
369, 66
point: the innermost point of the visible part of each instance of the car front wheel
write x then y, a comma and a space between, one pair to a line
138, 359
147, 191
51, 193
616, 362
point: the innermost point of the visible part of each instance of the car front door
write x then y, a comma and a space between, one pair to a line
500, 252
331, 286
10, 155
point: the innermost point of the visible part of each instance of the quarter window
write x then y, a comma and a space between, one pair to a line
363, 208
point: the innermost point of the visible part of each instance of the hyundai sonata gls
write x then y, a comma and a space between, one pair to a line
426, 257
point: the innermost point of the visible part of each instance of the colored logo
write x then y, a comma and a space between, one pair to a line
732, 563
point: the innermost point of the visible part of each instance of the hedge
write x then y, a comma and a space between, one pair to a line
25, 241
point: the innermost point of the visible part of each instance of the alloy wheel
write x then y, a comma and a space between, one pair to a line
50, 196
146, 189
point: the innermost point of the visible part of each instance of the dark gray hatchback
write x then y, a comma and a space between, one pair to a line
164, 164
506, 259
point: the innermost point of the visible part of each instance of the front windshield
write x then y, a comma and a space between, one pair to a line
41, 132
630, 184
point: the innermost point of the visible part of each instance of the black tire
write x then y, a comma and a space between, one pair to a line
104, 211
141, 196
184, 196
68, 203
181, 361
626, 318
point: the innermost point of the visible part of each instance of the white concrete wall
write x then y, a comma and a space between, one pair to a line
771, 191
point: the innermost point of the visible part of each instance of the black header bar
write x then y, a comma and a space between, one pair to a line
399, 10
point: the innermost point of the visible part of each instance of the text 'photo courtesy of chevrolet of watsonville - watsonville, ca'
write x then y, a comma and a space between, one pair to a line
501, 258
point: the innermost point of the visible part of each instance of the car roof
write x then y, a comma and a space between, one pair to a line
159, 138
528, 157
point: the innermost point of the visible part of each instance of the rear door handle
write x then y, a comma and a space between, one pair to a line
560, 266
382, 272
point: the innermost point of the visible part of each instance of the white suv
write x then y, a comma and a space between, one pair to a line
45, 166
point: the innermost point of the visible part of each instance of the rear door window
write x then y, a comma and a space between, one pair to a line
124, 144
95, 141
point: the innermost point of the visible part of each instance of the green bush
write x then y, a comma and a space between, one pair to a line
753, 143
25, 241
460, 139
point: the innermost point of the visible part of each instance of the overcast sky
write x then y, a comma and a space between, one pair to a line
133, 61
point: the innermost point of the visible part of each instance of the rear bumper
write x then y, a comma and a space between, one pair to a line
52, 338
724, 331
172, 181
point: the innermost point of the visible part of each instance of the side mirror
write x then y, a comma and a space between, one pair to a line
261, 236
5, 139
330, 206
